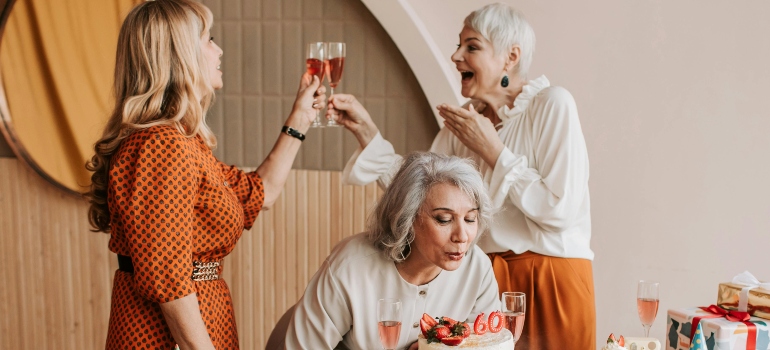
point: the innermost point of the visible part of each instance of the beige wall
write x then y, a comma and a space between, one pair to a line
671, 97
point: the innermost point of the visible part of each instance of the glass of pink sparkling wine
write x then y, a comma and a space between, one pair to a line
335, 62
647, 304
514, 308
314, 62
389, 322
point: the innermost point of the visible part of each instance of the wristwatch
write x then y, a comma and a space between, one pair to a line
293, 133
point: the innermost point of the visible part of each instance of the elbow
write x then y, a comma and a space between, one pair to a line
269, 200
268, 204
272, 193
557, 214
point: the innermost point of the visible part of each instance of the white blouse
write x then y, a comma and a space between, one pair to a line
340, 302
540, 179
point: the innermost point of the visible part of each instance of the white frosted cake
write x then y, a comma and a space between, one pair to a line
488, 341
615, 344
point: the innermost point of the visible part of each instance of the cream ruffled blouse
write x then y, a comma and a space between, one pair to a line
540, 180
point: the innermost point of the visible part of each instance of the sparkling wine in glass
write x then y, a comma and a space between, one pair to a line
314, 61
514, 308
335, 62
389, 322
647, 304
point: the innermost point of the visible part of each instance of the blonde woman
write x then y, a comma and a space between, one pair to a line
172, 209
526, 137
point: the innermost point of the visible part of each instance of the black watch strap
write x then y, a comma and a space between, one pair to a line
293, 133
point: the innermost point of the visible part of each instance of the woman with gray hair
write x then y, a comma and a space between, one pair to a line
527, 138
420, 247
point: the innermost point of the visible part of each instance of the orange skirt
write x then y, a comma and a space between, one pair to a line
561, 312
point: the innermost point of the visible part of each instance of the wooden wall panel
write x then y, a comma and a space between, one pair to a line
264, 54
58, 275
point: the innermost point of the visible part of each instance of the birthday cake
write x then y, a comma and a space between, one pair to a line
615, 344
488, 341
445, 333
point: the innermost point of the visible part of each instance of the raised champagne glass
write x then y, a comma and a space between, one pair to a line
514, 309
647, 300
389, 322
314, 61
335, 62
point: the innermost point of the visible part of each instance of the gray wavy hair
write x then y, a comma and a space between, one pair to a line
504, 27
390, 224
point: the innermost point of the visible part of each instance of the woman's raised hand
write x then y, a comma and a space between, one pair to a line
348, 112
311, 97
474, 130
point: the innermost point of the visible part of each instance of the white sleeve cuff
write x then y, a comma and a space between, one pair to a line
367, 165
507, 169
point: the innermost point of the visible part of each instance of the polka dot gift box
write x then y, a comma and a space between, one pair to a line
720, 330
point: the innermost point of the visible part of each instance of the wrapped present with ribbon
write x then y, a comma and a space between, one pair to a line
720, 329
746, 293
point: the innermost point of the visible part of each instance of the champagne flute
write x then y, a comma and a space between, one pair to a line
514, 309
389, 322
335, 62
647, 304
314, 60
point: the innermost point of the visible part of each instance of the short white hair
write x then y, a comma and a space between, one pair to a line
504, 27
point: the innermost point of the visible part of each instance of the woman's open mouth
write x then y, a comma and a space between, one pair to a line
466, 75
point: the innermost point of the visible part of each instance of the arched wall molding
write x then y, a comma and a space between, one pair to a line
433, 70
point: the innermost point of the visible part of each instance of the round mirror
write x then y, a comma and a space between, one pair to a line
56, 67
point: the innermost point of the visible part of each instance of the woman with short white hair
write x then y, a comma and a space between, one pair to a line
420, 247
527, 139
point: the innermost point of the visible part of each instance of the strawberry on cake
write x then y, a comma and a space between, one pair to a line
615, 344
446, 333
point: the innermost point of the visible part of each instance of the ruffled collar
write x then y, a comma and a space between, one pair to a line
528, 92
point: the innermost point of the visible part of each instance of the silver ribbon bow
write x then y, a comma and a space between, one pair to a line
751, 282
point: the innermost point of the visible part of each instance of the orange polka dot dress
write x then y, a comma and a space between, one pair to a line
171, 203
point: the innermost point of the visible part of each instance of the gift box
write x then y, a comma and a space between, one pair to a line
745, 293
719, 332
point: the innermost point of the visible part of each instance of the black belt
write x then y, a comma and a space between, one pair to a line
202, 271
125, 264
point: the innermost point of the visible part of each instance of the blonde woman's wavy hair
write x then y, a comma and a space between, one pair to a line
160, 79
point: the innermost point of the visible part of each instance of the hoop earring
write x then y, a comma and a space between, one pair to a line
408, 251
504, 82
408, 248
